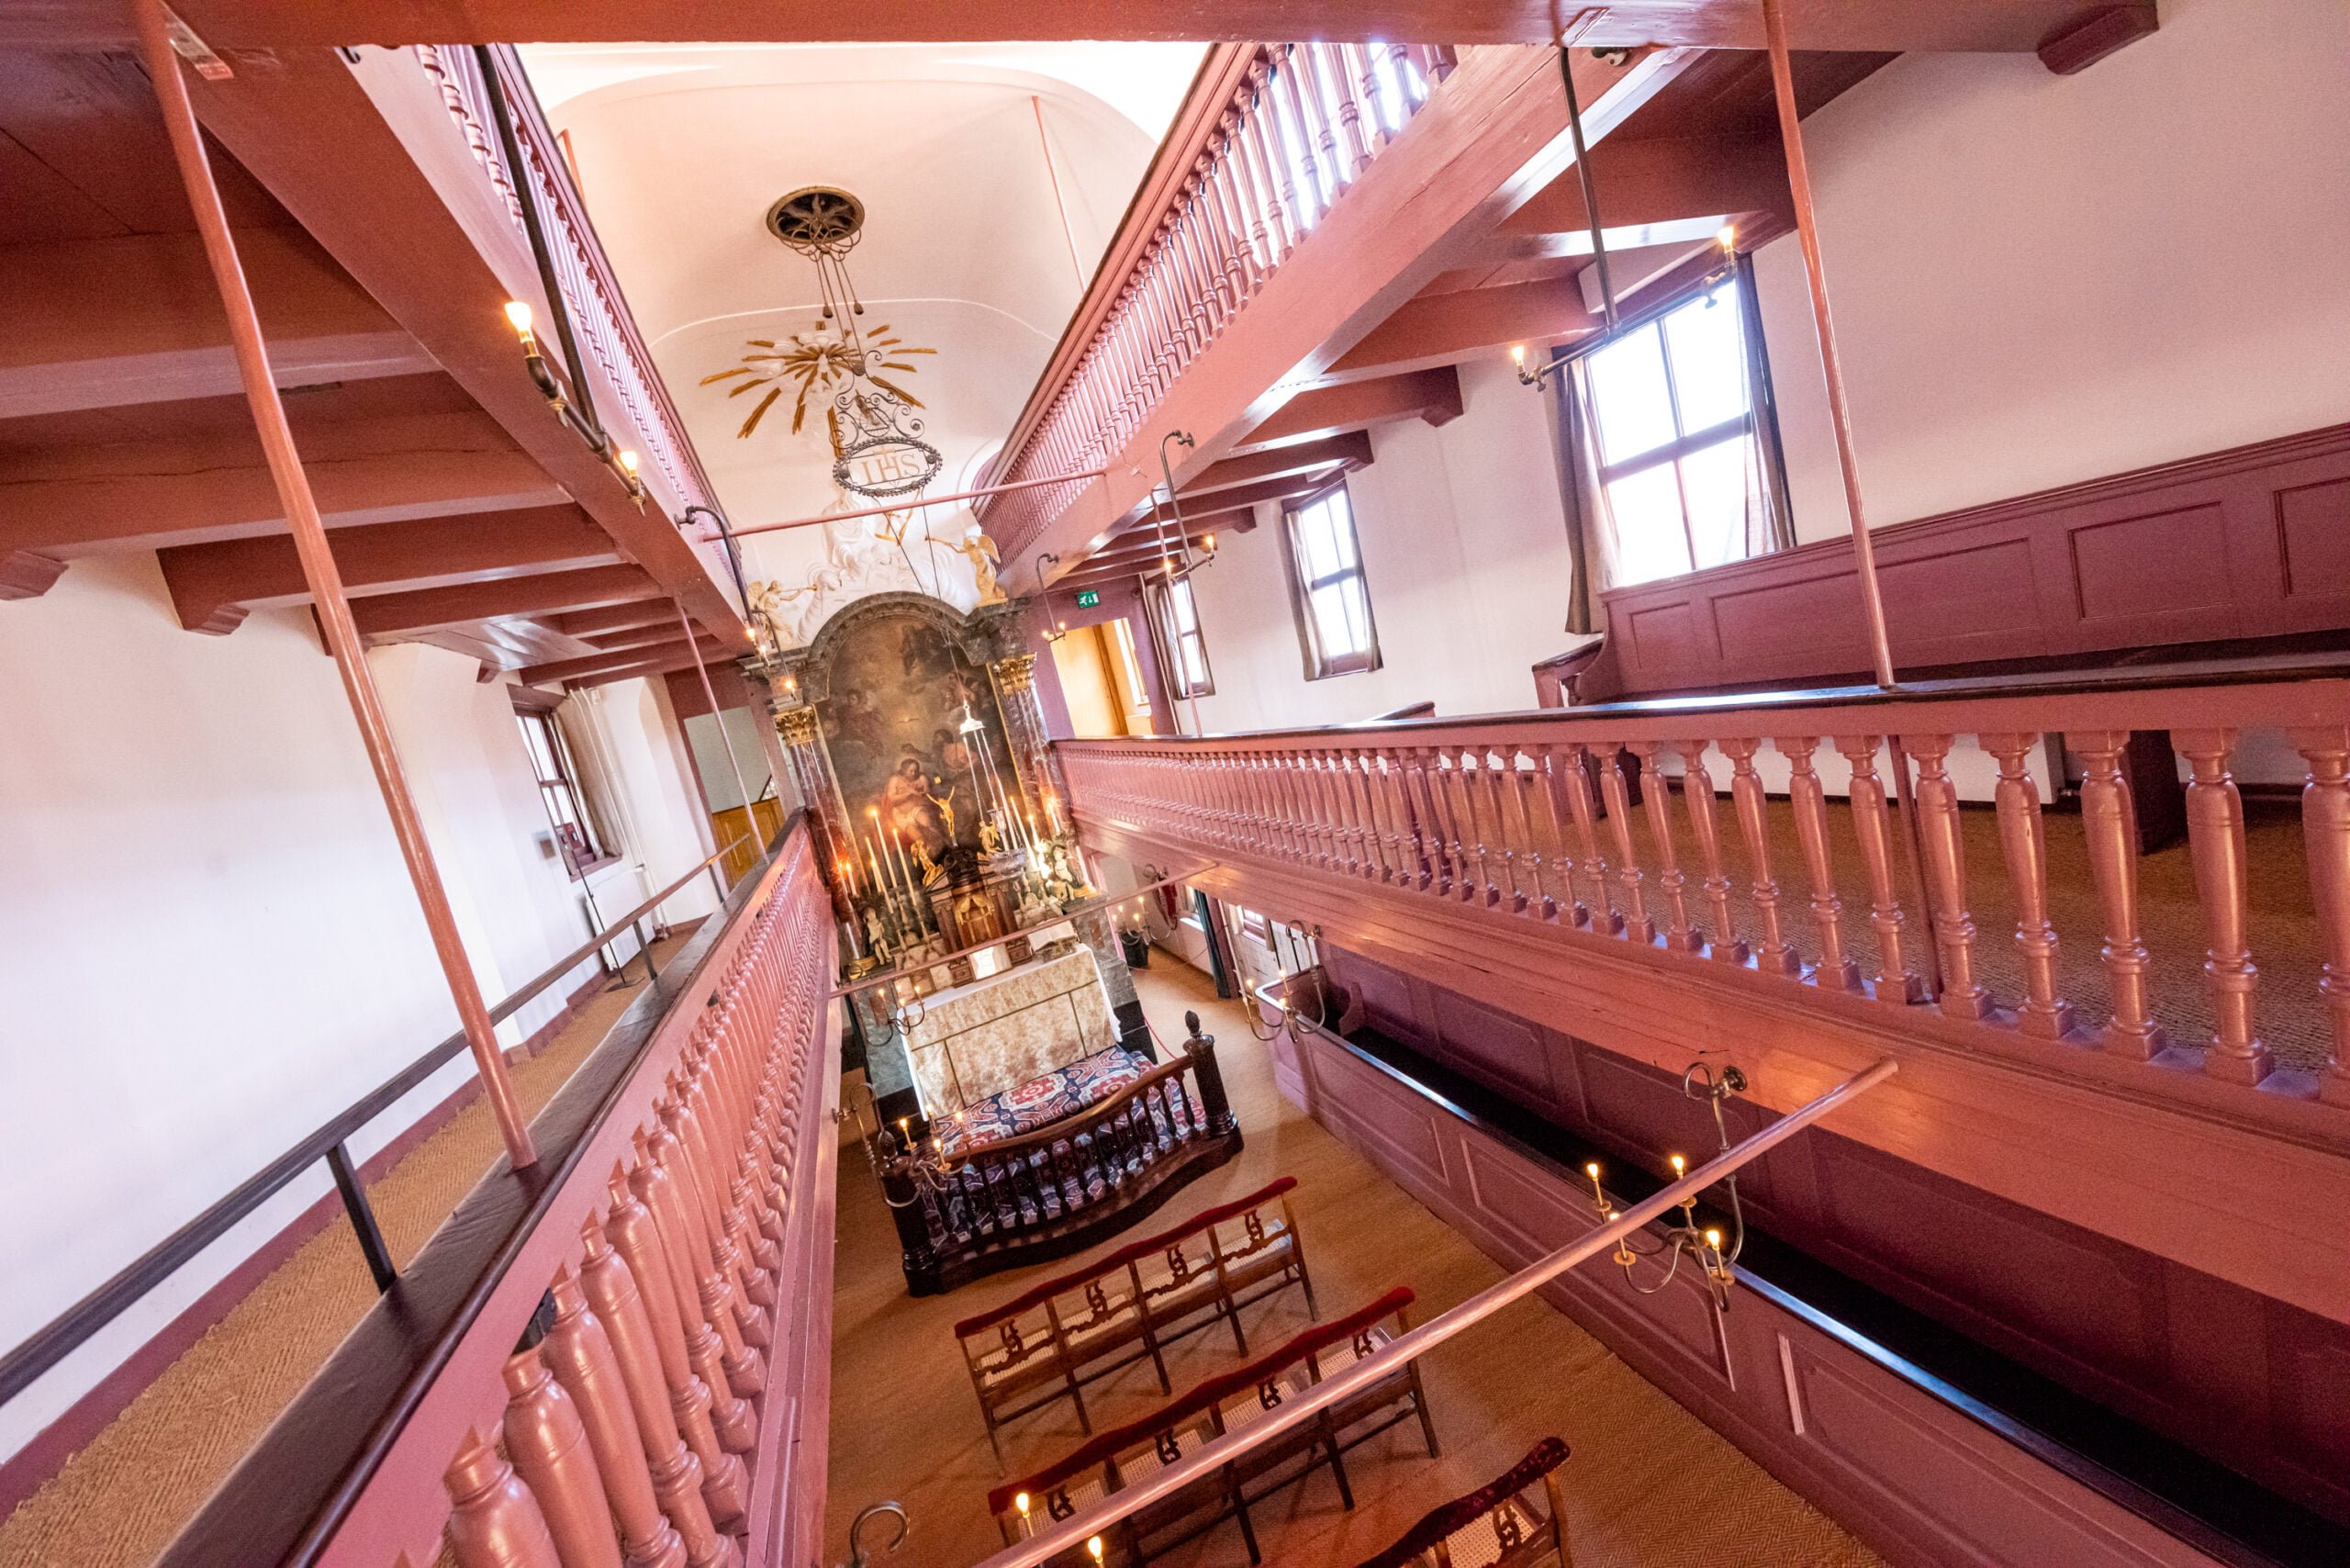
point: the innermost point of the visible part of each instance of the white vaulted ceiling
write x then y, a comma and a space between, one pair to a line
680, 150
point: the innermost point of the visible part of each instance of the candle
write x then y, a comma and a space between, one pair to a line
1027, 1526
1093, 1545
1053, 814
1598, 1197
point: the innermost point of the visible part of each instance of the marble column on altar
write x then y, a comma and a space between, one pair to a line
1099, 931
1024, 728
810, 772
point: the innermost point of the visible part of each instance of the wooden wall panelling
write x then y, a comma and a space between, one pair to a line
2251, 542
1914, 1476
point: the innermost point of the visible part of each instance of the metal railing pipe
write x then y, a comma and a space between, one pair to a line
1070, 1536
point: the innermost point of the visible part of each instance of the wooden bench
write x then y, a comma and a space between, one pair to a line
1086, 1477
1051, 1340
1500, 1525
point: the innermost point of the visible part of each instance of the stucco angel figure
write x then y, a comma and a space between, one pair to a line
980, 550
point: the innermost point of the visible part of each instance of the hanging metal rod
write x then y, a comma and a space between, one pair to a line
1070, 1536
912, 502
1582, 165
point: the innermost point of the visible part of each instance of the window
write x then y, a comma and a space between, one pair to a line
575, 835
1678, 463
1332, 604
1177, 616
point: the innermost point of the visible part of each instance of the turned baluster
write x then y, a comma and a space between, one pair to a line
1305, 789
1774, 955
1524, 850
1871, 825
1241, 158
495, 1522
2109, 823
709, 1255
1264, 161
1380, 814
2325, 840
2215, 844
679, 1480
716, 1350
1836, 969
580, 1355
1574, 775
1329, 771
549, 1448
1551, 829
1936, 803
2023, 845
1617, 789
1285, 82
1475, 783
1427, 829
1697, 793
1671, 881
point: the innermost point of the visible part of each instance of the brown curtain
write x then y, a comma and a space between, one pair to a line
1587, 539
1769, 525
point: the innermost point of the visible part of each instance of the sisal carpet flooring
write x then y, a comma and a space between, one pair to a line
2283, 929
1649, 1485
120, 1500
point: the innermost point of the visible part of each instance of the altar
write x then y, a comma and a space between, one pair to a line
997, 1050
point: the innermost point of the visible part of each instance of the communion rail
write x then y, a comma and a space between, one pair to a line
1060, 1189
1571, 822
588, 1361
1270, 139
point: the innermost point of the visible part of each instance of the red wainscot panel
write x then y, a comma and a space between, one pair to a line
1917, 1477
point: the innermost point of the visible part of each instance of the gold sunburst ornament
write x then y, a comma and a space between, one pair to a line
817, 363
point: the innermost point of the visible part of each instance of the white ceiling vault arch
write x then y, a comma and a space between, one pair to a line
974, 243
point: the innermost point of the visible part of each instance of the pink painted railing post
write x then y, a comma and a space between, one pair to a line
2215, 844
1679, 935
2110, 822
1573, 773
1427, 833
2024, 844
2326, 838
1612, 783
1837, 969
1698, 790
1524, 854
1774, 955
1871, 825
1543, 783
1945, 857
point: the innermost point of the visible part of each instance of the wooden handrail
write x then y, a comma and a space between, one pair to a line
1070, 1534
58, 1338
1102, 1110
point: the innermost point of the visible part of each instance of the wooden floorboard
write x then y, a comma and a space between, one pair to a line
1648, 1486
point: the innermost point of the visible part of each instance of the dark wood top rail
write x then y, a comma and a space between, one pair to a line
21, 1367
287, 1499
2258, 693
1440, 1521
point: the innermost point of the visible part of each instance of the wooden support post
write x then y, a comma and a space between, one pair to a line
319, 573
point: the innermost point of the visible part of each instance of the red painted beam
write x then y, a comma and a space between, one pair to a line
24, 575
612, 618
214, 586
1432, 394
1445, 328
205, 487
676, 649
1660, 180
134, 319
1982, 26
1350, 450
429, 608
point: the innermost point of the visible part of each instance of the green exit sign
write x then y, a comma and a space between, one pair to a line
1088, 598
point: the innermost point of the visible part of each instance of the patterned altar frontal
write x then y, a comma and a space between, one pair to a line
977, 1041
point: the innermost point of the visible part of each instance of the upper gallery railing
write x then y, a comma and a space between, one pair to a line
605, 330
1270, 139
1530, 819
593, 1360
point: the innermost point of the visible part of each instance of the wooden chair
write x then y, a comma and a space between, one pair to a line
1086, 1477
1500, 1525
1050, 1341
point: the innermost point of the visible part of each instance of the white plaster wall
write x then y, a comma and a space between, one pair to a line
210, 942
632, 731
1464, 548
2041, 279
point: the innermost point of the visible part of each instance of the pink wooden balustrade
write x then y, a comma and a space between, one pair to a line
675, 1411
1301, 123
1500, 819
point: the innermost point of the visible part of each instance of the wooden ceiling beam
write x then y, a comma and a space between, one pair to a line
659, 667
208, 487
2011, 27
1350, 448
135, 319
676, 649
428, 238
214, 587
1445, 328
644, 637
1433, 395
540, 594
1663, 180
611, 618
